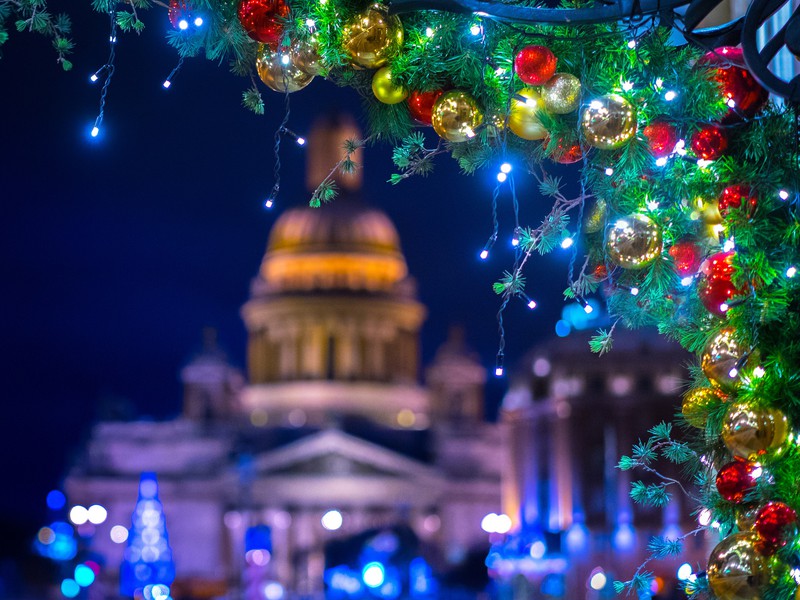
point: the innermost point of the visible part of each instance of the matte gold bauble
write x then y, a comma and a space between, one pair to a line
697, 403
385, 89
633, 242
719, 356
736, 570
749, 431
562, 94
372, 36
278, 72
456, 116
306, 57
524, 118
608, 122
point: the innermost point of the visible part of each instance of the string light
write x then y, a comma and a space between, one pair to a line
498, 365
567, 242
96, 75
269, 202
488, 246
783, 195
670, 96
183, 24
484, 254
731, 103
429, 32
659, 83
198, 21
759, 372
475, 29
300, 141
310, 23
791, 272
587, 308
505, 168
687, 281
634, 291
660, 162
501, 177
632, 44
168, 81
108, 69
609, 171
680, 148
515, 240
627, 86
729, 245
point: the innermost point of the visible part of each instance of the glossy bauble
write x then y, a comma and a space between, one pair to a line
420, 105
456, 116
523, 120
746, 516
697, 403
535, 65
709, 142
372, 36
737, 197
562, 94
736, 479
720, 355
661, 138
633, 242
608, 122
749, 431
686, 256
736, 570
263, 20
278, 72
306, 56
776, 525
714, 286
565, 151
385, 89
737, 84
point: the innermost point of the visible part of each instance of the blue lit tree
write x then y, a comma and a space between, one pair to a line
148, 557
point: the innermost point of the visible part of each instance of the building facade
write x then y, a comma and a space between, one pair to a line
328, 438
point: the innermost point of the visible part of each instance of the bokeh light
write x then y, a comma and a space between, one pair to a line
118, 534
56, 500
84, 575
78, 515
96, 514
332, 520
70, 588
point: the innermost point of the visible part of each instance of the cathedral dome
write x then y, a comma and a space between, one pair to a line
344, 245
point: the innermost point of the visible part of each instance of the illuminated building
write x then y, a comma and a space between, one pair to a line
570, 415
331, 436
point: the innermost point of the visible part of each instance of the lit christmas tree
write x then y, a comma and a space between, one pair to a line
148, 557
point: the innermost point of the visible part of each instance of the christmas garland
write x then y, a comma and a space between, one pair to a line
689, 183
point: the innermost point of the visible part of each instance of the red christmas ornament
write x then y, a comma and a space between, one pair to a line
565, 152
737, 196
736, 479
661, 137
710, 142
741, 91
420, 105
715, 287
263, 20
535, 65
179, 13
686, 256
776, 524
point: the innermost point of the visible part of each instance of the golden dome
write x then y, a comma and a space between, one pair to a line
344, 245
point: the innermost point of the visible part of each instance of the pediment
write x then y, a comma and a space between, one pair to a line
334, 453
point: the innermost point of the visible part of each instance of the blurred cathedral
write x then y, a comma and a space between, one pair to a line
329, 441
330, 471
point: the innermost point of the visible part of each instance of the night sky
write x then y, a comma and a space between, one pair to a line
117, 251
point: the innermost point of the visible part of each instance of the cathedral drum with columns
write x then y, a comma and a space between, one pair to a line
329, 458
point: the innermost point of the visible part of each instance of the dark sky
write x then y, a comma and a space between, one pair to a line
116, 252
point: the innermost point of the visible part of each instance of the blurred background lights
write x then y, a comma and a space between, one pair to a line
118, 534
538, 549
273, 591
488, 523
373, 574
78, 515
332, 520
684, 571
96, 514
598, 580
46, 536
503, 524
84, 575
69, 588
56, 500
258, 558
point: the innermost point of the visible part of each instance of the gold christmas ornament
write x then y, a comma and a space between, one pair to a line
633, 242
562, 94
697, 403
736, 570
608, 122
749, 431
456, 116
372, 36
596, 217
306, 57
385, 90
524, 118
746, 516
719, 360
278, 71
